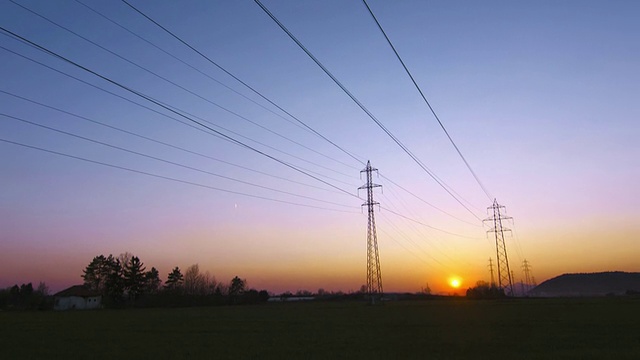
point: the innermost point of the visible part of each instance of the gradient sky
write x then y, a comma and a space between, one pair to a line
541, 98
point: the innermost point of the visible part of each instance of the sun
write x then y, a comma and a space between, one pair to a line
455, 283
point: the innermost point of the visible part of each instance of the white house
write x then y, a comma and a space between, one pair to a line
77, 297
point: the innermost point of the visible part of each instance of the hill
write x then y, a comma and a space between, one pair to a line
591, 284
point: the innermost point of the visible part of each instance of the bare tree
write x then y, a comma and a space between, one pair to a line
194, 281
43, 289
125, 257
210, 283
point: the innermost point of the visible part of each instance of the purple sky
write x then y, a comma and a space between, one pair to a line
541, 99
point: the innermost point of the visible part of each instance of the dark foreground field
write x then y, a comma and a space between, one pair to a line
438, 329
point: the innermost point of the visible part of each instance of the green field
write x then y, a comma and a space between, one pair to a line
436, 329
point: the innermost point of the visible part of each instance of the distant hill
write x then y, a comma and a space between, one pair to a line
591, 284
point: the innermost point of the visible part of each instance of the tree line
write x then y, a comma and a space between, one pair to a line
125, 281
25, 297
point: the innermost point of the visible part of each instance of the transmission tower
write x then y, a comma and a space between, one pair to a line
374, 278
493, 280
504, 273
528, 278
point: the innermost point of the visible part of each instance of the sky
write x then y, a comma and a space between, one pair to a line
110, 155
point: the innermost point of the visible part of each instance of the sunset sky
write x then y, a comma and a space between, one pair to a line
540, 97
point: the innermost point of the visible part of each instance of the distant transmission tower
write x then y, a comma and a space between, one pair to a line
504, 273
374, 277
493, 280
528, 278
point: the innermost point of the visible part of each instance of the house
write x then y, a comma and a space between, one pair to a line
77, 297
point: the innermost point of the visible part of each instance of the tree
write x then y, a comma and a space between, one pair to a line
175, 279
95, 273
221, 289
43, 289
426, 290
134, 277
114, 283
483, 290
237, 287
194, 282
211, 283
263, 296
26, 290
125, 257
152, 282
104, 274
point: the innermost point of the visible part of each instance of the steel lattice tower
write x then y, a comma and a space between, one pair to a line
374, 277
504, 273
528, 277
493, 279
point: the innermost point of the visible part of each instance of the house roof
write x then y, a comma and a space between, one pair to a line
78, 290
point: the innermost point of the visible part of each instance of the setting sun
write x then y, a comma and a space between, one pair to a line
455, 283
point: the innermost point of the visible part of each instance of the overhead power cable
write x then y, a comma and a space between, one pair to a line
475, 176
408, 238
430, 240
168, 161
167, 177
426, 202
189, 65
425, 225
242, 82
186, 123
225, 136
346, 91
181, 87
165, 143
268, 100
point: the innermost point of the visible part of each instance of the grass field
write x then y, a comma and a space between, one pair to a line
438, 329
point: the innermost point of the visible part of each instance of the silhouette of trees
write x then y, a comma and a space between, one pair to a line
133, 277
95, 273
124, 281
105, 275
24, 297
194, 282
125, 278
152, 282
175, 280
483, 290
114, 285
237, 287
43, 289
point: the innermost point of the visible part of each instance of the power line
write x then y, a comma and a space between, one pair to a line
178, 120
105, 90
171, 162
165, 106
278, 106
426, 202
182, 88
168, 161
346, 91
164, 143
408, 238
225, 136
189, 65
240, 81
167, 177
419, 232
425, 225
484, 189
